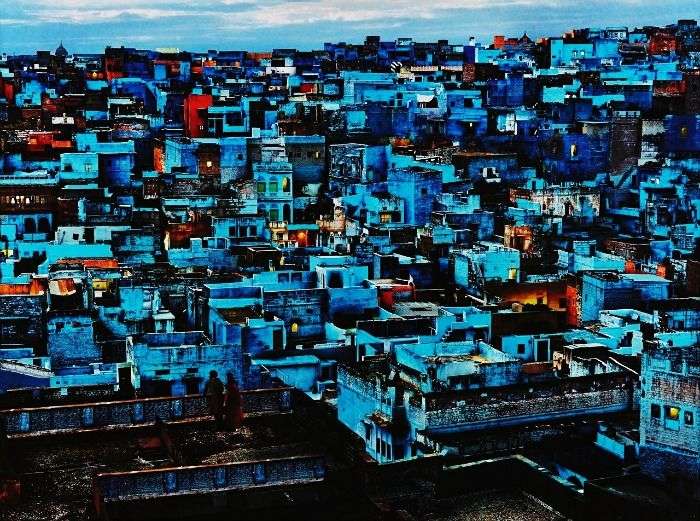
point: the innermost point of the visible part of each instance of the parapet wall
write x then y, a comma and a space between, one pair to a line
502, 407
155, 483
517, 473
66, 418
503, 413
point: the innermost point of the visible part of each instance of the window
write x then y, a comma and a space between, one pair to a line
285, 184
562, 302
261, 187
655, 410
162, 372
335, 279
424, 191
521, 349
273, 187
234, 119
295, 327
274, 214
688, 418
671, 413
368, 431
385, 217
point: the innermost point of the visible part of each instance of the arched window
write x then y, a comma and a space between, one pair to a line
285, 184
29, 225
44, 225
294, 328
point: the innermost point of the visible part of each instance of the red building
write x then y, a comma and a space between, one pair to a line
662, 43
196, 106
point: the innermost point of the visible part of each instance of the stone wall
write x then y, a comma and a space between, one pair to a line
670, 448
28, 329
71, 339
571, 397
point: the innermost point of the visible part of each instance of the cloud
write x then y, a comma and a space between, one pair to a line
301, 12
262, 24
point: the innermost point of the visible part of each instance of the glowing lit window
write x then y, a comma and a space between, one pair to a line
684, 131
512, 273
672, 413
209, 163
295, 327
285, 184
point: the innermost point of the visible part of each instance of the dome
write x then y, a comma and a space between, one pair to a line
61, 51
525, 39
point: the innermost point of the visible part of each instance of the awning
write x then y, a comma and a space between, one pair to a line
62, 287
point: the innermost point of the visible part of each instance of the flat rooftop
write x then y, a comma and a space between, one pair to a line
56, 472
492, 505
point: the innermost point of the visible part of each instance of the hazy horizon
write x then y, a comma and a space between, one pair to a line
87, 26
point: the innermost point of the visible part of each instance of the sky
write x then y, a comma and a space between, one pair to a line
198, 25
